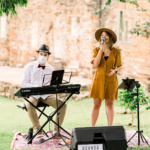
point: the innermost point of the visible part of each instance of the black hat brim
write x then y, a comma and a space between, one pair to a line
43, 51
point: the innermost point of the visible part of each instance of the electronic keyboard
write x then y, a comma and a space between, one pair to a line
27, 92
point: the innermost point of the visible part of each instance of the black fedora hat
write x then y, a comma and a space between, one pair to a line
44, 48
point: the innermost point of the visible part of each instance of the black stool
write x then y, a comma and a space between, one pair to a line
23, 106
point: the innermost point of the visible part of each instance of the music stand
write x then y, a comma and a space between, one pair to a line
57, 75
56, 80
129, 85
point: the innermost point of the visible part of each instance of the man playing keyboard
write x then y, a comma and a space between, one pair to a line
33, 77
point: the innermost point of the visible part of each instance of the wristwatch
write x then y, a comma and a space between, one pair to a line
116, 70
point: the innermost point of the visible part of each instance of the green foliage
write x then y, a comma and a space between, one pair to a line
108, 2
129, 101
141, 9
124, 1
130, 1
141, 29
99, 11
8, 6
133, 2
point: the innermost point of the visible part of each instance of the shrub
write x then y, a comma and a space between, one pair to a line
128, 101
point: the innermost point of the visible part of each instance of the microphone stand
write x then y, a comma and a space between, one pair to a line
105, 83
58, 133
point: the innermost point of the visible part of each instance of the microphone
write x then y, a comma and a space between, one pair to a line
103, 41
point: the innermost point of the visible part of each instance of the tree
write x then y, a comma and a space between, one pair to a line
9, 6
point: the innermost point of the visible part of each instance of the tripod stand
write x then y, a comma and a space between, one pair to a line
129, 84
58, 133
139, 132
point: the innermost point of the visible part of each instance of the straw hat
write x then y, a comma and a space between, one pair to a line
99, 31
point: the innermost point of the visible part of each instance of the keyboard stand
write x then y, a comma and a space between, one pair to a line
50, 118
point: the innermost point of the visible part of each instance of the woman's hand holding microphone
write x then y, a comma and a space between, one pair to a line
102, 47
102, 44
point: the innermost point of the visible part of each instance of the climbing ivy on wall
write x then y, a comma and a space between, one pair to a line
124, 1
9, 6
142, 29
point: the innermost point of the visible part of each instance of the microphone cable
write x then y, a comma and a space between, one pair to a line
104, 86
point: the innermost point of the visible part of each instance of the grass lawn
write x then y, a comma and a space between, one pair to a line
78, 115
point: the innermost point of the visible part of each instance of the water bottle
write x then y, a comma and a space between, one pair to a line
30, 135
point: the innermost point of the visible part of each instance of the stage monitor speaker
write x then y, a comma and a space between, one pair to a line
98, 138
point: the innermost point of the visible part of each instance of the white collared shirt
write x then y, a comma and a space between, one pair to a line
33, 76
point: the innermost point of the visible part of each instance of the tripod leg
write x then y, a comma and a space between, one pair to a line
64, 140
45, 133
65, 137
142, 137
132, 137
49, 138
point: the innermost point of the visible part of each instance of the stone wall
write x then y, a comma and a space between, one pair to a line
68, 28
4, 52
4, 44
28, 30
8, 89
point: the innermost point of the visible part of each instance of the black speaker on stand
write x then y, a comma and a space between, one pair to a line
98, 138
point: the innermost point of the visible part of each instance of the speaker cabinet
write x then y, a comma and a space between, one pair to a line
98, 138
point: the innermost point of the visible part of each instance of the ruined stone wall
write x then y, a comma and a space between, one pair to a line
4, 45
135, 49
4, 52
28, 30
73, 36
68, 28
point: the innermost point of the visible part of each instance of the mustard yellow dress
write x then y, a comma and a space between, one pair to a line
101, 78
